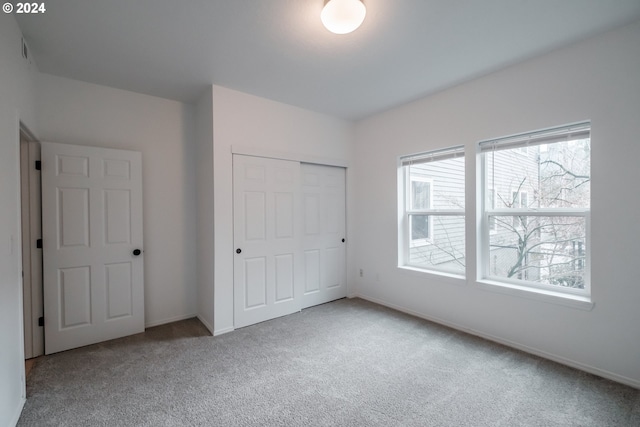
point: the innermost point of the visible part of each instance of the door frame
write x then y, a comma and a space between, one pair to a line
302, 159
218, 298
286, 155
31, 221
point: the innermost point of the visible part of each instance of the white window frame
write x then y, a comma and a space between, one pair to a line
404, 207
484, 233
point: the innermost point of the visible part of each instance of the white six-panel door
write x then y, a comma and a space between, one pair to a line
267, 237
324, 233
91, 228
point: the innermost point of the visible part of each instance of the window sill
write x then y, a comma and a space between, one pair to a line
567, 300
457, 279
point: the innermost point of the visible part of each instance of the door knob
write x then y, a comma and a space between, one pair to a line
238, 250
342, 240
137, 252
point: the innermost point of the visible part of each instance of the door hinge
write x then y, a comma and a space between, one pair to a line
38, 165
41, 321
39, 243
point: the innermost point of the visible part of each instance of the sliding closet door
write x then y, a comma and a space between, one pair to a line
267, 234
323, 195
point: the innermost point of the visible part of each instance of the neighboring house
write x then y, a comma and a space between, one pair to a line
437, 241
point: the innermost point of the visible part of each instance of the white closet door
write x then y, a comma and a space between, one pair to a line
267, 225
324, 232
92, 242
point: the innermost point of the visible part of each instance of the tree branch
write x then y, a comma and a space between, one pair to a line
566, 171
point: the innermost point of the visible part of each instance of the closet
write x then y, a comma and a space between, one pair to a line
289, 237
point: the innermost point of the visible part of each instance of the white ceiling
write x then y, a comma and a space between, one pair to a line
278, 49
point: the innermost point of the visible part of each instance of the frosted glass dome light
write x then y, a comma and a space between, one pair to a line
343, 16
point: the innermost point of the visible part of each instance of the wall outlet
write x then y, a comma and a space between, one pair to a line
361, 273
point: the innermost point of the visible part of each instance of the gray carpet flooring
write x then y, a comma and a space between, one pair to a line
347, 363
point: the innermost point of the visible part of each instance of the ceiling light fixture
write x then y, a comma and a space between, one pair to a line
343, 16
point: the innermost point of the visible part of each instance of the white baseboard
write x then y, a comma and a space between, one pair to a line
206, 324
170, 320
559, 359
223, 331
16, 415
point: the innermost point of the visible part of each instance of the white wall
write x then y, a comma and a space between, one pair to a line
75, 112
17, 102
244, 120
596, 79
204, 187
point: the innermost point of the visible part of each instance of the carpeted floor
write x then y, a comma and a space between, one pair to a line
347, 363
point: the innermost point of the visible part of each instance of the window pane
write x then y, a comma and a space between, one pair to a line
445, 250
549, 250
420, 194
419, 227
555, 175
565, 174
447, 182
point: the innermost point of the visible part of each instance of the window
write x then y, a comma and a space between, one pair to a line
536, 234
431, 209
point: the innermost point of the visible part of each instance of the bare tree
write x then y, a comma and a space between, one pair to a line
547, 248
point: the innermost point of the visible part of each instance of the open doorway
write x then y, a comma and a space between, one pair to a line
31, 218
